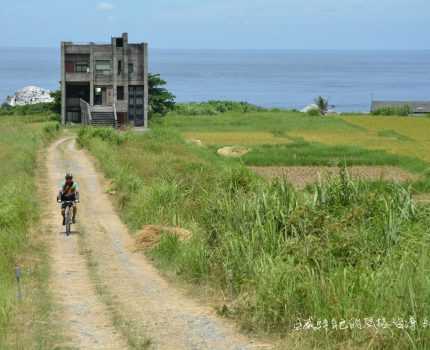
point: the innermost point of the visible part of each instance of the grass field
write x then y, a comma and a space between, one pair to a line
290, 138
20, 139
341, 251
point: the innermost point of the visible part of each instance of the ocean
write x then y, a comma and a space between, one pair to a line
269, 78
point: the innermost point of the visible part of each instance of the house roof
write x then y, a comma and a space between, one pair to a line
415, 106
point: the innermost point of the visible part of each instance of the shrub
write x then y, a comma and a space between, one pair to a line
404, 110
215, 107
37, 108
314, 112
110, 135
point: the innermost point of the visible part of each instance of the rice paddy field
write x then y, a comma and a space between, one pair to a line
281, 138
340, 264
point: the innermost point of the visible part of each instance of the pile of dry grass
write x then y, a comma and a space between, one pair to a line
150, 235
233, 151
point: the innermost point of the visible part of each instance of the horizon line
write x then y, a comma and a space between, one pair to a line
239, 49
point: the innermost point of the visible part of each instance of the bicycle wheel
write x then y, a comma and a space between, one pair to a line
68, 221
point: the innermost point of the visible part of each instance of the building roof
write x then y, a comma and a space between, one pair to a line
415, 106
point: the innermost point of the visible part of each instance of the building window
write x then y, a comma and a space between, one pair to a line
119, 42
103, 67
120, 92
70, 67
119, 67
98, 96
82, 68
130, 70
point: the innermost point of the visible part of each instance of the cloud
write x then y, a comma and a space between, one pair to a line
104, 6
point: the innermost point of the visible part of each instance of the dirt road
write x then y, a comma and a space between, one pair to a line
110, 296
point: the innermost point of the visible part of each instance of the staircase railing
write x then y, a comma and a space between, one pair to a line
114, 114
85, 112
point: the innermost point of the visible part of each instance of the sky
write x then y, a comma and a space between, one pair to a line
220, 24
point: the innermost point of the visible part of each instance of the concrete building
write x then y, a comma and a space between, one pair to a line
105, 84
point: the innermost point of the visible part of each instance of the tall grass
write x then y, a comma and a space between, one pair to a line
214, 107
20, 139
30, 109
342, 250
403, 110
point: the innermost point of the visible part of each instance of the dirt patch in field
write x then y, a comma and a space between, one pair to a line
300, 176
233, 151
196, 142
150, 235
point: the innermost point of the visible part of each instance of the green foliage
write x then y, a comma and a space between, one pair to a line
214, 108
404, 110
322, 104
341, 250
56, 104
258, 120
38, 108
392, 134
312, 153
20, 139
161, 101
110, 135
314, 112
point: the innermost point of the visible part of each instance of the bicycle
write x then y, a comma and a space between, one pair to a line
68, 214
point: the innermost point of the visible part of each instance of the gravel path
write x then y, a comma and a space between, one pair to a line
83, 317
133, 290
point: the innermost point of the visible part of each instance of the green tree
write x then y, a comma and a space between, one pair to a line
322, 104
56, 105
161, 101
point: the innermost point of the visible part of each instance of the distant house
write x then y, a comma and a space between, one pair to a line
416, 107
105, 84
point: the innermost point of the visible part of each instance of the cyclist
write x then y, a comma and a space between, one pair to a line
69, 192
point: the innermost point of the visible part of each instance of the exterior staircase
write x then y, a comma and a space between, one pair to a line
103, 119
99, 116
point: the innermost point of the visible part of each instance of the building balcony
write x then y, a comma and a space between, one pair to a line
78, 76
103, 78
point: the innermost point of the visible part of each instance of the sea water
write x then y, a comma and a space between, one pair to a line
270, 78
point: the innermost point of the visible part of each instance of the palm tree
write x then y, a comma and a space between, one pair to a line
322, 104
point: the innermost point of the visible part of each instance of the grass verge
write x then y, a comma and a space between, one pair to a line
343, 264
24, 323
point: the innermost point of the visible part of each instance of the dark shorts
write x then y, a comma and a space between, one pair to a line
64, 205
69, 197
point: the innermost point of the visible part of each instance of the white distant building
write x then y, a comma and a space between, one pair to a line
29, 95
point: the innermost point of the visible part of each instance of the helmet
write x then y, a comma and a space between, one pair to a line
69, 176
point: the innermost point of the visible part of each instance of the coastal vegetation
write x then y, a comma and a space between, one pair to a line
322, 104
339, 263
21, 137
161, 101
347, 257
30, 109
215, 107
404, 110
